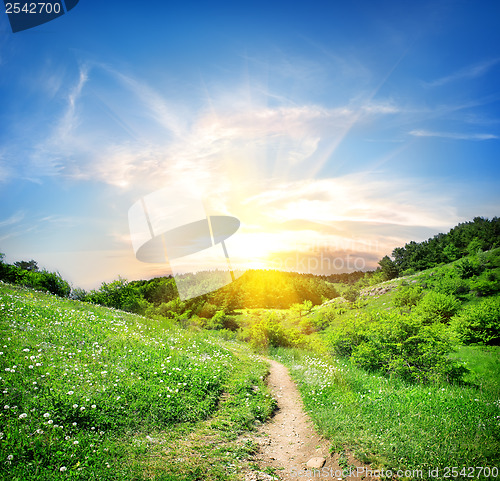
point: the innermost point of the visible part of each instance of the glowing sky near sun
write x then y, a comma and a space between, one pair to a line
333, 131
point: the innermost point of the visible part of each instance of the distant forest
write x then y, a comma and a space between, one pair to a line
260, 288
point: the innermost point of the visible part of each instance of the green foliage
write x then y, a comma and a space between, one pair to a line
302, 309
207, 311
31, 265
393, 424
397, 345
78, 294
467, 238
436, 307
351, 294
389, 268
89, 389
118, 294
451, 253
475, 246
479, 322
407, 296
217, 321
27, 273
375, 277
322, 320
270, 329
486, 284
452, 285
468, 267
346, 337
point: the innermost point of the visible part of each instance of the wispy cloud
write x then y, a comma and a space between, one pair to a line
453, 135
381, 108
13, 226
69, 119
354, 198
338, 215
13, 219
469, 72
147, 141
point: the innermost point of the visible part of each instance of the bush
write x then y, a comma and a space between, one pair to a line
452, 285
401, 346
351, 294
479, 323
207, 311
407, 296
344, 338
408, 272
217, 321
268, 331
325, 317
471, 266
437, 307
486, 284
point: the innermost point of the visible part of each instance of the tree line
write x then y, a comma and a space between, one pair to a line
269, 289
466, 238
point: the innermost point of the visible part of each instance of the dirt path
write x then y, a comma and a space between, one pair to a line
289, 443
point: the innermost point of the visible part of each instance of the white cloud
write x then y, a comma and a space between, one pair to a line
118, 130
356, 198
453, 135
13, 219
469, 72
381, 108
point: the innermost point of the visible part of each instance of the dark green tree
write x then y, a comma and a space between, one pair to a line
27, 265
389, 268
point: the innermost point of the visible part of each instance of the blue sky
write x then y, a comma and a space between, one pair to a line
330, 129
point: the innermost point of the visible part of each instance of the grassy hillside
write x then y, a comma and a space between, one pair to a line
411, 380
95, 393
405, 372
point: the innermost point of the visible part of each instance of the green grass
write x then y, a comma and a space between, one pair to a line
94, 393
484, 363
396, 425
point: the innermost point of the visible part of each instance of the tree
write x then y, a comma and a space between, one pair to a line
389, 268
305, 307
4, 268
27, 265
474, 246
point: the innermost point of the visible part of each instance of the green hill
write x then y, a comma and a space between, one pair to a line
95, 393
411, 375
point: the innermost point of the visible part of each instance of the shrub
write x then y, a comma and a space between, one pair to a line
326, 317
437, 307
268, 331
479, 323
344, 338
408, 272
216, 321
407, 296
351, 294
468, 267
486, 284
401, 346
453, 285
207, 311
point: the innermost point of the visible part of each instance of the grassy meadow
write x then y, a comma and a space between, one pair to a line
410, 379
400, 426
95, 393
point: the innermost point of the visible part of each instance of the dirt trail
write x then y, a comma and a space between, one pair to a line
289, 441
